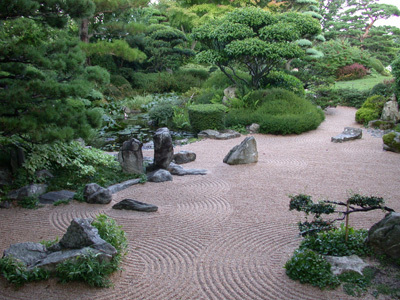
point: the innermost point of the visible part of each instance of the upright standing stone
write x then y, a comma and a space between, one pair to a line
163, 148
131, 157
390, 111
245, 153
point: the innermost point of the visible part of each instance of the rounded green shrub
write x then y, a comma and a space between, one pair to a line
162, 114
280, 112
285, 81
371, 109
310, 267
385, 88
207, 116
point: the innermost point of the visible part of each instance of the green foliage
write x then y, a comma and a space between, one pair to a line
355, 284
281, 112
385, 89
162, 114
207, 116
285, 81
333, 242
111, 232
396, 73
31, 202
389, 139
371, 109
310, 267
255, 39
88, 268
16, 272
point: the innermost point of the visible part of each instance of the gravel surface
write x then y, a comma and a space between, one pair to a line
227, 234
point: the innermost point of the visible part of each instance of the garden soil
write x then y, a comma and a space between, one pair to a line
227, 234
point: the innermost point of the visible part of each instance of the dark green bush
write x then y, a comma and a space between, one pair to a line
352, 97
333, 242
371, 109
219, 80
162, 114
324, 97
281, 112
385, 89
207, 116
285, 81
310, 267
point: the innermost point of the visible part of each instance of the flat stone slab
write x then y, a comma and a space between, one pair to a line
130, 204
218, 135
51, 197
348, 134
175, 169
123, 185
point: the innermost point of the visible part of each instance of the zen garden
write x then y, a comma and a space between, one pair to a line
103, 101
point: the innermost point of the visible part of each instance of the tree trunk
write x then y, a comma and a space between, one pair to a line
84, 30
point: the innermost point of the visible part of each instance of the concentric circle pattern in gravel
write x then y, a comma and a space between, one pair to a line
225, 235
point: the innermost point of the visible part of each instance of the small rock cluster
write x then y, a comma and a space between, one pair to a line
80, 239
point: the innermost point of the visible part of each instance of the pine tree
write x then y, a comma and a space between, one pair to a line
44, 85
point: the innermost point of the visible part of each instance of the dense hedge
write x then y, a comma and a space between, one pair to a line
207, 116
281, 112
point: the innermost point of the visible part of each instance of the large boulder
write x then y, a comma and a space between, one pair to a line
131, 157
80, 234
27, 191
163, 148
341, 264
384, 236
245, 153
391, 141
160, 175
52, 197
348, 134
184, 157
229, 93
390, 111
29, 253
95, 194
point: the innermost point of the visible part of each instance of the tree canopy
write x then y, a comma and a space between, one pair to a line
254, 38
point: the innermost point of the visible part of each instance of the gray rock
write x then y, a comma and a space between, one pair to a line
131, 157
29, 253
44, 174
95, 194
183, 157
160, 175
28, 191
51, 197
80, 234
341, 264
229, 93
130, 204
123, 185
175, 169
254, 128
384, 236
218, 135
381, 125
163, 148
390, 111
245, 153
51, 261
348, 134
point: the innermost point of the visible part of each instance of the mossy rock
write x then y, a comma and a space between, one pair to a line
391, 142
382, 125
